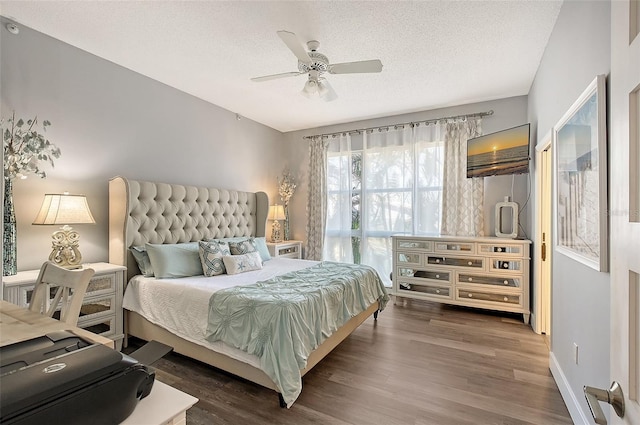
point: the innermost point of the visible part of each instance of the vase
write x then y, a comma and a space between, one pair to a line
287, 232
9, 247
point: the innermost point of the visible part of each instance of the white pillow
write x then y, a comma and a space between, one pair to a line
242, 263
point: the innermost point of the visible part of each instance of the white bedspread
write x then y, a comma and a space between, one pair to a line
182, 305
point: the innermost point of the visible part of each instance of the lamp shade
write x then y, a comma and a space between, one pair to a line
64, 209
276, 212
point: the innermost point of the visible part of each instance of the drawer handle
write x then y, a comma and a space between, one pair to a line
470, 279
470, 263
499, 249
437, 261
470, 295
437, 276
505, 265
437, 291
506, 282
506, 298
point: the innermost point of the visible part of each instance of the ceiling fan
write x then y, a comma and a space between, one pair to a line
315, 64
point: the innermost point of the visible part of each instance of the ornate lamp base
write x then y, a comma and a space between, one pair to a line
276, 235
66, 252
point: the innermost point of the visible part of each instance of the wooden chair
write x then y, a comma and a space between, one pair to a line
70, 287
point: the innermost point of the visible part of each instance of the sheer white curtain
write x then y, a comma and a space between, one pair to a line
386, 182
340, 200
317, 198
463, 198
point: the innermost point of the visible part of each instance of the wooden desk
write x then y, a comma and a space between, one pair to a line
19, 324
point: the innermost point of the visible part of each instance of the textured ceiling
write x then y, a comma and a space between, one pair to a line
435, 53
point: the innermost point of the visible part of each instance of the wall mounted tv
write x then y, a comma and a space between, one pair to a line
499, 153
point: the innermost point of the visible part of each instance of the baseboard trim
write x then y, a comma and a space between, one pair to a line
570, 400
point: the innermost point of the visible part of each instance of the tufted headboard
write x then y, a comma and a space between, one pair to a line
141, 212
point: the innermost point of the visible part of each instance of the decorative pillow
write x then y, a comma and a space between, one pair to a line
142, 259
243, 247
174, 260
261, 245
242, 263
211, 254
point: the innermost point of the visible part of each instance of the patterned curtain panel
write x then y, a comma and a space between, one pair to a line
317, 198
462, 198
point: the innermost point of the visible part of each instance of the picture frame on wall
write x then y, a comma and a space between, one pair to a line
580, 165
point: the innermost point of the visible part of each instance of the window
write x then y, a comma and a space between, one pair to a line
380, 184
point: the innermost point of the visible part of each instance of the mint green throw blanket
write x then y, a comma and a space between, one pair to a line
283, 319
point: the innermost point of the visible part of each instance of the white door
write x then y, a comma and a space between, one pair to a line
624, 186
542, 259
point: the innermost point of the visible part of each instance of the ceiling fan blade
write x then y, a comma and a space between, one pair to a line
294, 44
326, 92
276, 76
355, 67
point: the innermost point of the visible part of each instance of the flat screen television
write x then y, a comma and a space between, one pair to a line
499, 153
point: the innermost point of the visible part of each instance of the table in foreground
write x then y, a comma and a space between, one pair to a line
164, 406
19, 324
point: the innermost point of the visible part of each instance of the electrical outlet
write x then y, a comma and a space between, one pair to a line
575, 352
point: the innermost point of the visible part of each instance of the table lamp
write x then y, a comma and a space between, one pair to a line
276, 213
65, 209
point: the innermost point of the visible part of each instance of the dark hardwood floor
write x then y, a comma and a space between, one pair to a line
419, 363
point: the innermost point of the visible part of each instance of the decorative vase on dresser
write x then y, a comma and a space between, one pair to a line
485, 272
9, 246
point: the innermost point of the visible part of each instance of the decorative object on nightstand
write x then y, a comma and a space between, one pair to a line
276, 213
65, 209
24, 149
286, 188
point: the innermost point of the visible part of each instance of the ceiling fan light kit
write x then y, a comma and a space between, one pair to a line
314, 64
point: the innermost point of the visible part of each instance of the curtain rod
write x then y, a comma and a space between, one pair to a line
384, 127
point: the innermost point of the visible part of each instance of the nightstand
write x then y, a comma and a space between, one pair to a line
285, 249
101, 311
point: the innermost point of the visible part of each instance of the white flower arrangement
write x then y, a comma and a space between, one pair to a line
286, 187
25, 147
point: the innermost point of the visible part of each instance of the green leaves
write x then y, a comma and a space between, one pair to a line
25, 147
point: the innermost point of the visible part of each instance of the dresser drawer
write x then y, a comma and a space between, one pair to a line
409, 258
102, 284
411, 287
105, 326
414, 244
504, 281
492, 297
463, 247
504, 265
97, 307
434, 275
475, 263
506, 250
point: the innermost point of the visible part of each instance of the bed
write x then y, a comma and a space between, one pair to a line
159, 213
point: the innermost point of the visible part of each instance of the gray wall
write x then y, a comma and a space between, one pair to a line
110, 121
578, 50
508, 113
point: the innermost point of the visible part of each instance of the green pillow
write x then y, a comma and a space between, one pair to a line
174, 260
142, 259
